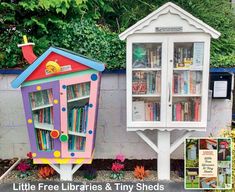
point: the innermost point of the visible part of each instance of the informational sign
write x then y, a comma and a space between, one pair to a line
220, 88
208, 163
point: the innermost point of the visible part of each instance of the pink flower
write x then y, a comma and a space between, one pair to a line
29, 155
117, 167
120, 157
23, 167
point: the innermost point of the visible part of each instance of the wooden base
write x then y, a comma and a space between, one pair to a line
66, 171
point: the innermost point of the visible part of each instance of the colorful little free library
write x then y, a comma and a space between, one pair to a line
60, 91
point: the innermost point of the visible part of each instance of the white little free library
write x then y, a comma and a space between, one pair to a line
168, 54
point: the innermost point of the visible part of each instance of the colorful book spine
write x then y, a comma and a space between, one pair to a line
45, 142
78, 90
189, 110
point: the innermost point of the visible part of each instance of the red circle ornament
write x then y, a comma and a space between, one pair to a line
55, 134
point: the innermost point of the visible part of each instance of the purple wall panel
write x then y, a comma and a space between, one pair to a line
28, 115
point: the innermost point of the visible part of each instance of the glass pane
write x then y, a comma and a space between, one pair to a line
146, 109
146, 82
78, 90
76, 143
146, 55
186, 109
42, 110
41, 98
188, 55
187, 82
78, 106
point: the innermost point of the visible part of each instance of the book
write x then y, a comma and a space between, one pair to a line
187, 82
146, 82
76, 143
187, 110
44, 141
146, 56
138, 111
41, 98
78, 90
198, 53
78, 118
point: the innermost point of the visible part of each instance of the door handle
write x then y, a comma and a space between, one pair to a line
169, 97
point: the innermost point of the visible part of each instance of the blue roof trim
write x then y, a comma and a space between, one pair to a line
11, 71
21, 78
219, 70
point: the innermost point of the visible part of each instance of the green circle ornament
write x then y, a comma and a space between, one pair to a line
63, 138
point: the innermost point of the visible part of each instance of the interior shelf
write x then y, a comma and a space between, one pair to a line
44, 126
42, 107
147, 95
79, 98
185, 95
77, 134
146, 69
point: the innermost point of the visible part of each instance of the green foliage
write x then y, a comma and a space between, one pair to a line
91, 27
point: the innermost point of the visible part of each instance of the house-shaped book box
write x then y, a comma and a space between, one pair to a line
60, 92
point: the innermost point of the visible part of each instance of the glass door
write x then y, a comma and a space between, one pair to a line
185, 69
78, 100
147, 83
41, 104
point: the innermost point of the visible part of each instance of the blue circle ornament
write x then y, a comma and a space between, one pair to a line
63, 109
72, 154
90, 132
94, 77
64, 86
90, 105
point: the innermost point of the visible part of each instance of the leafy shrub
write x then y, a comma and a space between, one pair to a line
90, 173
140, 172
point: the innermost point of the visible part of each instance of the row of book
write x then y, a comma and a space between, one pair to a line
183, 57
78, 90
189, 55
146, 83
146, 111
187, 110
151, 57
41, 98
44, 115
78, 119
45, 142
76, 143
187, 82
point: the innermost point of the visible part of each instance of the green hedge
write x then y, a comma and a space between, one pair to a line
91, 27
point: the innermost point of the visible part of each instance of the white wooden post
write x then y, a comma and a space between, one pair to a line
163, 160
66, 171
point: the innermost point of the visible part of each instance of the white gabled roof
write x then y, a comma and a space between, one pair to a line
174, 10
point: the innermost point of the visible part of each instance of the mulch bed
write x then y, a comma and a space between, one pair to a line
5, 164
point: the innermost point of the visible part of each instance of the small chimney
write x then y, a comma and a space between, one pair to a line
27, 50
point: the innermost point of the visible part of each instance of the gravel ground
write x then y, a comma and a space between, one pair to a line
103, 176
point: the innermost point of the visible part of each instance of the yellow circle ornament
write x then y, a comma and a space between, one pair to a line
57, 154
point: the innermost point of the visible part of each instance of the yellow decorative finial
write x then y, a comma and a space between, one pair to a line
25, 39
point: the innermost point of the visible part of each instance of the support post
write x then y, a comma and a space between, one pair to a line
163, 160
66, 172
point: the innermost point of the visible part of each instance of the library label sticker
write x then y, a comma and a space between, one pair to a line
208, 163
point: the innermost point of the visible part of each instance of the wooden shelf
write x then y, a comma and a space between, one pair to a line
185, 95
42, 107
147, 95
44, 126
77, 134
146, 69
187, 69
78, 99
